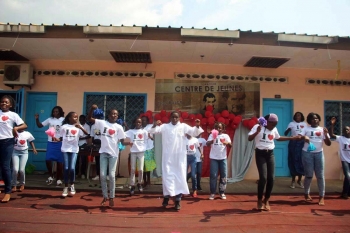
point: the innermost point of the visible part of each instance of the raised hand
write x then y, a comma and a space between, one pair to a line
333, 120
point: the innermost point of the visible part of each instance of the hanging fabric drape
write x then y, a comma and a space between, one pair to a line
242, 154
158, 154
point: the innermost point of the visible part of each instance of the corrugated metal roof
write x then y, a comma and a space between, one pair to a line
267, 32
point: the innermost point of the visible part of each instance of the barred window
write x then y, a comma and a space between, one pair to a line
339, 110
129, 106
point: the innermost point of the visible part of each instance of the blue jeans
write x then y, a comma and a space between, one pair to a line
215, 166
6, 150
314, 162
199, 174
346, 185
19, 161
106, 160
191, 162
69, 161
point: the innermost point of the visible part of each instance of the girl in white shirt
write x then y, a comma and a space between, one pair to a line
111, 134
150, 162
313, 161
344, 149
20, 158
8, 133
264, 136
138, 138
192, 146
295, 164
69, 133
218, 160
53, 149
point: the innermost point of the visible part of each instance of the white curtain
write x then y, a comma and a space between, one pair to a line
158, 154
241, 153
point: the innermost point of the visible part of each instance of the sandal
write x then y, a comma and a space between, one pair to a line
308, 198
111, 202
6, 198
21, 188
321, 201
266, 205
104, 201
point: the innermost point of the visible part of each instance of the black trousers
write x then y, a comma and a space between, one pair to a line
265, 162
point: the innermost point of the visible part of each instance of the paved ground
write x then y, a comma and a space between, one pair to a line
40, 208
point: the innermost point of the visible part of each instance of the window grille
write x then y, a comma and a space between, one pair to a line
339, 110
129, 106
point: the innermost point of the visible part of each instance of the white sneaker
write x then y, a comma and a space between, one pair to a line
96, 178
300, 185
72, 190
223, 196
107, 178
212, 196
65, 192
59, 183
83, 177
292, 185
49, 180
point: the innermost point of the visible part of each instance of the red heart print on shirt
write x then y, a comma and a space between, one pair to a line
140, 136
270, 136
73, 131
22, 142
301, 126
318, 133
111, 131
4, 118
222, 140
191, 147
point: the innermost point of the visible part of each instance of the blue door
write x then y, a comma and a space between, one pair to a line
41, 103
18, 96
284, 110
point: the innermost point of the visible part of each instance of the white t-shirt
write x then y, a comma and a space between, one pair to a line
192, 145
94, 132
296, 127
7, 121
70, 138
53, 122
21, 141
110, 136
139, 139
264, 140
202, 143
83, 141
149, 143
316, 136
218, 149
344, 148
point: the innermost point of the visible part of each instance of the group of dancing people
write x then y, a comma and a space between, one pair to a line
305, 154
182, 148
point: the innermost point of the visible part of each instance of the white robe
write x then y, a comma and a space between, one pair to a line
174, 156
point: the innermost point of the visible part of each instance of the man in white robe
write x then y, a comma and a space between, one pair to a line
174, 156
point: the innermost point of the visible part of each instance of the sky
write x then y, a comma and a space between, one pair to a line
321, 17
